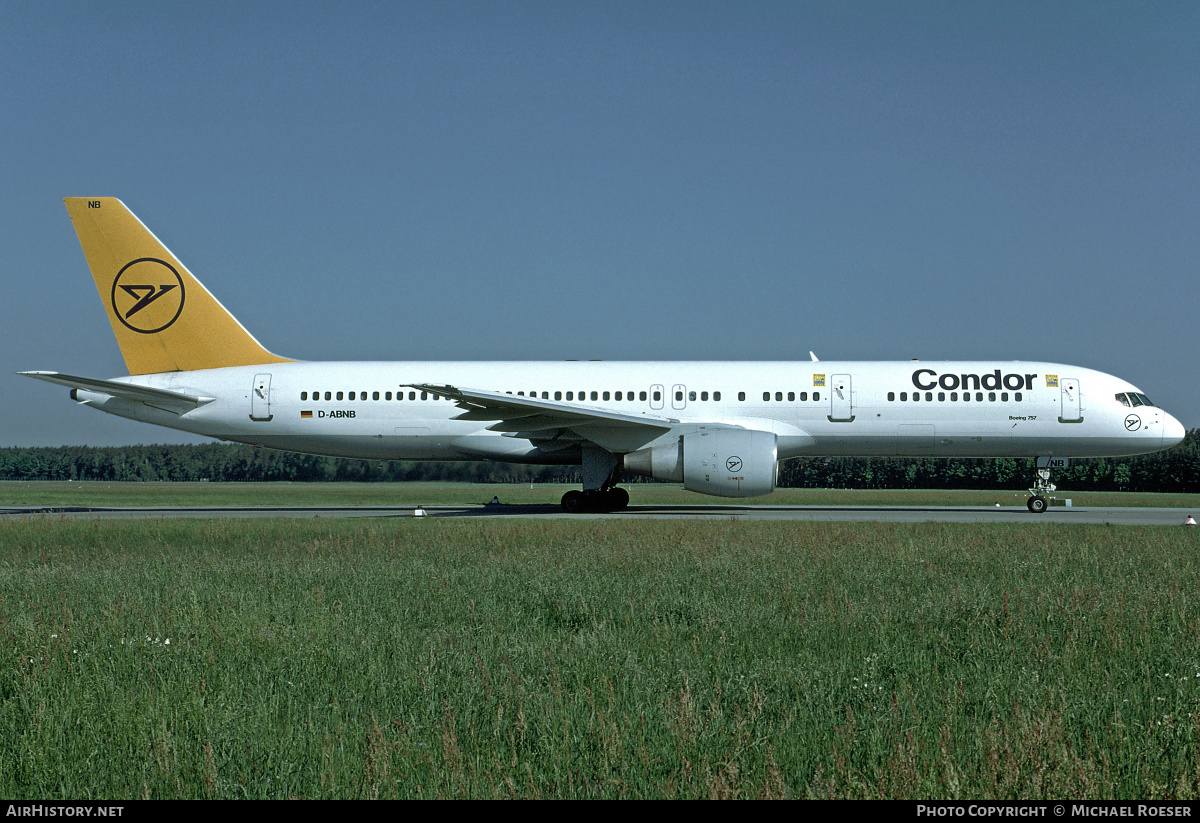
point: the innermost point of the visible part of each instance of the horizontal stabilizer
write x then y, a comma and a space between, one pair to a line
177, 401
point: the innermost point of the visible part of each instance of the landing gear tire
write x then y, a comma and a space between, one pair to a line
595, 500
1037, 505
618, 499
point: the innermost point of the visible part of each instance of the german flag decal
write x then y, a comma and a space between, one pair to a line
305, 414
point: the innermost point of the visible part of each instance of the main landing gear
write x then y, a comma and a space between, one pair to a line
595, 500
601, 473
1042, 486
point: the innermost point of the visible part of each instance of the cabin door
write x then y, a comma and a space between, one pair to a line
1072, 406
841, 399
260, 398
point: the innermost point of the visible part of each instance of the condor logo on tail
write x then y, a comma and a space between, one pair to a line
147, 295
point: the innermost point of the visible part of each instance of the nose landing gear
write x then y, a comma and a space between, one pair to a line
1041, 487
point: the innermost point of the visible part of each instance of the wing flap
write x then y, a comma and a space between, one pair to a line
518, 416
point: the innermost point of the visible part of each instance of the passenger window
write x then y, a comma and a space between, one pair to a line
558, 395
741, 395
594, 397
978, 397
678, 395
606, 395
703, 395
570, 395
303, 395
779, 396
657, 396
941, 396
903, 395
991, 397
929, 396
816, 396
766, 395
804, 396
424, 395
791, 397
339, 395
716, 395
692, 396
387, 396
891, 397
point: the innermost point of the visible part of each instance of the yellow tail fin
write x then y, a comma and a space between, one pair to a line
164, 319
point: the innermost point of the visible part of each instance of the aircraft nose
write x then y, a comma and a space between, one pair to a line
1173, 431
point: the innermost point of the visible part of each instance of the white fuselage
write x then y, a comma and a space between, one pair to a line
941, 409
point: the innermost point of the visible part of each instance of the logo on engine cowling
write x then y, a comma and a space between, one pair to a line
734, 464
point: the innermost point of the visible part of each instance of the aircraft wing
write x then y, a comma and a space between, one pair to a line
535, 419
177, 402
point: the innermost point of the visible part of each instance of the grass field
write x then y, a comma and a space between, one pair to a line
54, 493
439, 658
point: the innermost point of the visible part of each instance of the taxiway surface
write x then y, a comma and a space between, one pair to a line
1124, 516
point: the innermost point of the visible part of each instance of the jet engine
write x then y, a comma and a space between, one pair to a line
720, 462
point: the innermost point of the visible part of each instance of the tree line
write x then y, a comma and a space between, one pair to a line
1176, 470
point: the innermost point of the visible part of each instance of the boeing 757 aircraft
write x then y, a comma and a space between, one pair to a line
720, 428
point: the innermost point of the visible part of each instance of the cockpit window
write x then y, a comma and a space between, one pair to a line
1134, 399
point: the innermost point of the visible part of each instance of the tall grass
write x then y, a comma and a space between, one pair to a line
437, 658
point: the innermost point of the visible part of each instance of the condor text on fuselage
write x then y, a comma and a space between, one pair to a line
926, 379
719, 428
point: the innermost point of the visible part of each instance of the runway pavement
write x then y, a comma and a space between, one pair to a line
878, 514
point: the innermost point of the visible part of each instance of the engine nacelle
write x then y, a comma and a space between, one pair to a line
720, 462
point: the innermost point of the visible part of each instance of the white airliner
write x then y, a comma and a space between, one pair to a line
720, 428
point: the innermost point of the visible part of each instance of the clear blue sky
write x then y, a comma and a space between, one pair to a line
641, 180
